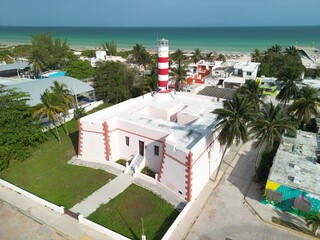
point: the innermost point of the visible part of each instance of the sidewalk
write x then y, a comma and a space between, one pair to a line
63, 224
103, 195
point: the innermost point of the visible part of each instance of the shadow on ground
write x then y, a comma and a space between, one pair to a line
74, 137
243, 172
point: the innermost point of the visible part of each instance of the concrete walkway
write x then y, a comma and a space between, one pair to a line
103, 195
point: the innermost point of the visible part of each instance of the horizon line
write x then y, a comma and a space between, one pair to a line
235, 26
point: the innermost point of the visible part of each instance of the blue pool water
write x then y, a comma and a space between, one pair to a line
57, 74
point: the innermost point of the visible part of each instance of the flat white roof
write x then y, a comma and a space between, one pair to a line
247, 66
185, 135
235, 80
295, 163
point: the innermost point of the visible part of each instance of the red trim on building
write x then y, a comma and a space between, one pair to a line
189, 178
80, 138
106, 140
162, 160
156, 140
164, 71
165, 91
162, 83
163, 59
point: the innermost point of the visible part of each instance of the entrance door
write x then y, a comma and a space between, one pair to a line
141, 148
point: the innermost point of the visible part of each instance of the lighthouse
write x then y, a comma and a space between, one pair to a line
163, 65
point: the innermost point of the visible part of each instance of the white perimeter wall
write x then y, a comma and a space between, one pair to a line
173, 172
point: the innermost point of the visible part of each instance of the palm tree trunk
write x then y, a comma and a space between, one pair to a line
65, 125
258, 156
58, 135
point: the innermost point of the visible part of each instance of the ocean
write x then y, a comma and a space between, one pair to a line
219, 39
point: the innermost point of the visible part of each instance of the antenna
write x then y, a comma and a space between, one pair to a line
143, 237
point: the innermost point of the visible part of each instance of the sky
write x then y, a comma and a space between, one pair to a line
159, 13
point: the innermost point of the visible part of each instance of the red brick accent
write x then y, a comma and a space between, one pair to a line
106, 140
162, 160
80, 138
189, 177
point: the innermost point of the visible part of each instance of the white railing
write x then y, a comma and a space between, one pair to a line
33, 197
136, 165
101, 229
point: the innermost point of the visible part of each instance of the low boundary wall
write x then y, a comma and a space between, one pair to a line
101, 229
33, 197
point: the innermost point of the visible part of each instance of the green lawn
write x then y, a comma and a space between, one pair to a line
123, 214
47, 174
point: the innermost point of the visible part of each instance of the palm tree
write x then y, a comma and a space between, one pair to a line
196, 57
178, 56
269, 127
234, 116
256, 56
49, 108
275, 49
288, 77
313, 219
293, 51
253, 92
38, 63
66, 98
140, 54
221, 57
306, 105
180, 75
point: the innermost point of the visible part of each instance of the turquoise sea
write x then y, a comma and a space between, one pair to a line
220, 39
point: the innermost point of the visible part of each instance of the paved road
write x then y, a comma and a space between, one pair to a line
226, 216
15, 225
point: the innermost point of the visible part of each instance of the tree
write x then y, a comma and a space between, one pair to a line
49, 108
114, 81
269, 126
233, 119
306, 105
288, 77
89, 53
293, 51
17, 131
257, 55
47, 54
313, 219
110, 48
196, 56
253, 92
180, 75
141, 56
275, 49
80, 69
179, 57
64, 98
5, 56
221, 57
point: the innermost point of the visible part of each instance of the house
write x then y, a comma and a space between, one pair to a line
171, 133
293, 182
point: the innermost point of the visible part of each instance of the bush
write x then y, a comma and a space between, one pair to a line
148, 172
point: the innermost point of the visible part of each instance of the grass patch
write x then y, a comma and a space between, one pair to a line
148, 172
100, 107
47, 174
123, 214
122, 162
291, 225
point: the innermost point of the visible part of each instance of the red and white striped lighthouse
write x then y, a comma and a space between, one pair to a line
163, 64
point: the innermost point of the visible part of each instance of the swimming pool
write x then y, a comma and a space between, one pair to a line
57, 74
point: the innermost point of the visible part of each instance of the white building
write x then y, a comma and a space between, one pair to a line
173, 134
169, 132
